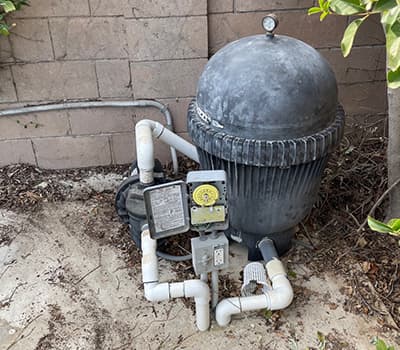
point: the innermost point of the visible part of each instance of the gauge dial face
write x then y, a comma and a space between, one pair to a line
269, 23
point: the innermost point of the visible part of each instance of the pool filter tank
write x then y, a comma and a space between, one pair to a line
267, 113
263, 122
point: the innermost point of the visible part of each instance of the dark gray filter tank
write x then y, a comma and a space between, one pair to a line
267, 112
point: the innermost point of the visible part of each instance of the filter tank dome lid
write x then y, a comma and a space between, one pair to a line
266, 100
269, 87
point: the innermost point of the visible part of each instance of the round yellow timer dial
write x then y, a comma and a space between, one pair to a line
205, 195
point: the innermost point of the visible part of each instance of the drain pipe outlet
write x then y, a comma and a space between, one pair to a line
278, 298
155, 291
145, 130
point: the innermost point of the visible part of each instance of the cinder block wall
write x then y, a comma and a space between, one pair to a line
68, 50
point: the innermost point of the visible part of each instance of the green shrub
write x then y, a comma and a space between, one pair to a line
6, 7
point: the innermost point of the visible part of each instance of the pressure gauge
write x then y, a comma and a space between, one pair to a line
270, 22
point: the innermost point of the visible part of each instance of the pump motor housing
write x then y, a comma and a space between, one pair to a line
266, 111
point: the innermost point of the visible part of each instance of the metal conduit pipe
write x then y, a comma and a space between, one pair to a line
278, 298
99, 104
145, 130
155, 291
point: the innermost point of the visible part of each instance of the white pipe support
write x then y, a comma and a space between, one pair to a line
278, 298
155, 291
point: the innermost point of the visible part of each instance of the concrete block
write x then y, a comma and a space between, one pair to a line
16, 151
30, 40
109, 7
166, 79
114, 78
51, 8
162, 8
178, 108
34, 125
167, 38
370, 32
101, 120
89, 38
6, 55
364, 98
72, 151
264, 5
123, 148
363, 64
55, 80
224, 28
7, 90
220, 6
309, 29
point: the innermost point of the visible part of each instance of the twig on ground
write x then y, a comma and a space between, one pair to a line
307, 235
378, 202
91, 271
7, 301
182, 340
4, 271
21, 336
87, 274
147, 328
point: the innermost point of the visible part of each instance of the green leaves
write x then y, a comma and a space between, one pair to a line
390, 18
383, 5
349, 35
381, 345
393, 78
323, 8
4, 29
347, 7
392, 227
7, 6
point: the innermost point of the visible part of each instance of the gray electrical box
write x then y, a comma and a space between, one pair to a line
210, 253
208, 200
167, 209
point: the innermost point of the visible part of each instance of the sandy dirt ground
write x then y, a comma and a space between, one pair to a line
70, 279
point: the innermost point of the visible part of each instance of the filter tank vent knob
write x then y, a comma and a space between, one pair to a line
270, 23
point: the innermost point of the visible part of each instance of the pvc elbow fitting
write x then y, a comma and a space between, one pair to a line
200, 291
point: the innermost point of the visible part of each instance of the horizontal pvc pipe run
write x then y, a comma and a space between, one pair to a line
98, 104
155, 291
145, 130
278, 298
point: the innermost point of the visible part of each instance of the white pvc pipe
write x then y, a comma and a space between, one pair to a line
145, 152
99, 104
278, 298
145, 149
155, 291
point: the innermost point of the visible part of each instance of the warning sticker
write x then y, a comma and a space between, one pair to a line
167, 208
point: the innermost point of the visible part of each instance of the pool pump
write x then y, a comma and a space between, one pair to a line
263, 123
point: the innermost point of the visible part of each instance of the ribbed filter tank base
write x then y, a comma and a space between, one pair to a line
267, 201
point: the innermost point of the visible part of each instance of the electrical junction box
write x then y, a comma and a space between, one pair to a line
210, 253
207, 200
